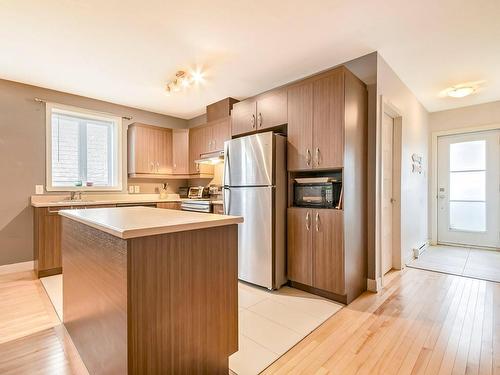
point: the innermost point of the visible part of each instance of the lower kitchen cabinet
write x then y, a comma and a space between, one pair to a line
47, 238
47, 241
300, 265
316, 254
169, 205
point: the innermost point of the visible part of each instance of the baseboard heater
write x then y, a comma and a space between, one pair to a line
419, 250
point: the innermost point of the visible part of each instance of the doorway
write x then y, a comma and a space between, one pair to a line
468, 189
390, 220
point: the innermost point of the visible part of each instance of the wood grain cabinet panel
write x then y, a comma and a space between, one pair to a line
149, 150
300, 123
328, 121
47, 238
243, 117
180, 151
272, 109
300, 266
221, 133
169, 205
47, 241
328, 253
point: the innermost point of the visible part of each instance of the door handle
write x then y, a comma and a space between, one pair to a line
157, 166
152, 167
317, 156
308, 157
259, 119
253, 121
227, 202
317, 221
308, 223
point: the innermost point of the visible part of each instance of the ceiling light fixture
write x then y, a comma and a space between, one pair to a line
460, 92
183, 81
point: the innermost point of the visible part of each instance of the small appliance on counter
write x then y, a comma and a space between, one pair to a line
317, 192
183, 191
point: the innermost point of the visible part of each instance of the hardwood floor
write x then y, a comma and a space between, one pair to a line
421, 323
32, 339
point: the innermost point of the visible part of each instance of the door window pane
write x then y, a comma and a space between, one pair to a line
467, 156
467, 186
468, 216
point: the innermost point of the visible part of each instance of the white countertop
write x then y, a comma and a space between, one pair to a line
90, 200
131, 222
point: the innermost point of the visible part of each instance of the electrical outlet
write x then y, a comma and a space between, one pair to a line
137, 189
131, 189
38, 189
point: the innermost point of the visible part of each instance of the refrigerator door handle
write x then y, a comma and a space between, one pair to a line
227, 169
226, 202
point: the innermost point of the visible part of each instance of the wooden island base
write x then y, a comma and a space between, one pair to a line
163, 304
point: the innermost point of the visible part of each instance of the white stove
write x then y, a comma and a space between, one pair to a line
196, 205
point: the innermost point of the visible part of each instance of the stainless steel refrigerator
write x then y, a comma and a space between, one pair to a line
255, 188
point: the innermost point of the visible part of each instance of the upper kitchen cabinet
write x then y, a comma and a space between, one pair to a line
220, 110
272, 109
317, 119
300, 125
262, 112
243, 117
149, 150
180, 151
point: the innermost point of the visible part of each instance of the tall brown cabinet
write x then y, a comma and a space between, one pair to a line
327, 126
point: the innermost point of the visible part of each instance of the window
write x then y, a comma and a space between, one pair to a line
83, 149
468, 186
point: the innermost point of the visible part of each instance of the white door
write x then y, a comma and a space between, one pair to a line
468, 189
387, 191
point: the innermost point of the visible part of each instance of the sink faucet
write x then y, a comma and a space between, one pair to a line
75, 195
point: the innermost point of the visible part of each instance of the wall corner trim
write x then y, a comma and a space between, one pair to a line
374, 285
17, 267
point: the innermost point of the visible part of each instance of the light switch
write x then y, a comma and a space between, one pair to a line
137, 189
131, 189
38, 189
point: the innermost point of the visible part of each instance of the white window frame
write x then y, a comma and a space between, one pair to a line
49, 108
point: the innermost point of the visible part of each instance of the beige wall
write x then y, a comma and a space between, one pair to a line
465, 117
414, 139
22, 157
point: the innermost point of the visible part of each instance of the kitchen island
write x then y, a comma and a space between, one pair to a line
150, 291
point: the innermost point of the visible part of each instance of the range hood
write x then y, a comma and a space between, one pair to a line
211, 158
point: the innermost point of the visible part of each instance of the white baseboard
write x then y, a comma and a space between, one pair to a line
374, 285
17, 267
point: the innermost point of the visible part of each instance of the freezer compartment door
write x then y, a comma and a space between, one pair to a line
248, 161
255, 235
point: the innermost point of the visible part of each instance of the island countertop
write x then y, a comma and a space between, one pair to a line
132, 222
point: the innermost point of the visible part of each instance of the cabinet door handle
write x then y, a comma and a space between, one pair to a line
152, 167
308, 223
308, 157
253, 121
259, 119
317, 221
317, 156
157, 166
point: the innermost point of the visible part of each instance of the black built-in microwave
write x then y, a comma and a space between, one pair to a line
317, 194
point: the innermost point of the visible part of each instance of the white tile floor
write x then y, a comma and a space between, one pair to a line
476, 263
270, 323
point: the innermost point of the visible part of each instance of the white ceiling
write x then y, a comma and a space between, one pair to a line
125, 51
